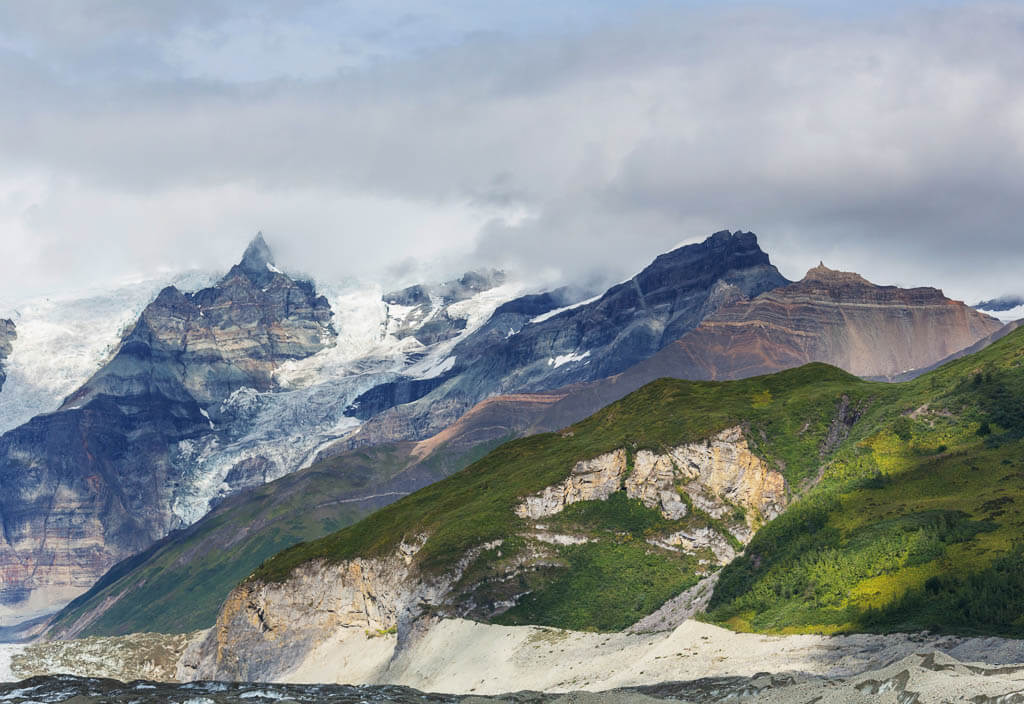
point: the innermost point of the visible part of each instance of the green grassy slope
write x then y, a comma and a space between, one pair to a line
178, 585
910, 522
916, 522
619, 577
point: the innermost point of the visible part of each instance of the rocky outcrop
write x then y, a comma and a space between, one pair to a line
95, 481
700, 540
717, 476
266, 630
521, 350
589, 480
7, 336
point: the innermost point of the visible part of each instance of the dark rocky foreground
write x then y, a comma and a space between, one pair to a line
79, 690
920, 679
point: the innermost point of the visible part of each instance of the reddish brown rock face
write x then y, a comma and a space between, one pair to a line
834, 317
830, 316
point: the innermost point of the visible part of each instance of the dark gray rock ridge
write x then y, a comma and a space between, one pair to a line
95, 481
520, 350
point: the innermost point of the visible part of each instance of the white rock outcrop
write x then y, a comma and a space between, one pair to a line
718, 476
590, 480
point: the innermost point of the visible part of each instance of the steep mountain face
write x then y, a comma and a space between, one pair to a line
96, 480
7, 336
179, 584
521, 350
877, 332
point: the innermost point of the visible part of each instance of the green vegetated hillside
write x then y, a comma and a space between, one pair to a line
916, 524
178, 585
618, 576
909, 522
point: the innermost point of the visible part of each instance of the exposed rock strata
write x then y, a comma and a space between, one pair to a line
834, 317
520, 351
94, 482
266, 630
717, 476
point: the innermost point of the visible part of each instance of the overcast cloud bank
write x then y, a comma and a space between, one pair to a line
137, 138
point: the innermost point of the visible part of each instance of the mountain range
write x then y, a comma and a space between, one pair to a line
212, 394
457, 355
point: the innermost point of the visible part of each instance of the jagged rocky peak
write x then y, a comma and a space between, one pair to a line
257, 263
1001, 304
221, 338
422, 311
833, 276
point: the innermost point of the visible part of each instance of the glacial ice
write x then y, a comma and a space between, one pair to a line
63, 341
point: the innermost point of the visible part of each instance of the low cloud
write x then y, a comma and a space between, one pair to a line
891, 143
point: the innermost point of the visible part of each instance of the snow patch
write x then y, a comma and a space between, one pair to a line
1006, 316
207, 417
61, 342
557, 311
273, 269
8, 651
561, 359
435, 370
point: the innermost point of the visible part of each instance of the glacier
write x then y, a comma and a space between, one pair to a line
290, 426
62, 341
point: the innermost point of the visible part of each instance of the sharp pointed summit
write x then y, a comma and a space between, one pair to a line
257, 258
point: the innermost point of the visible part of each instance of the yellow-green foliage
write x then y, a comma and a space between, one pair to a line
915, 516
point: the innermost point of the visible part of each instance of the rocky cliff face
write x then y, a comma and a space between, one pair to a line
834, 317
334, 611
523, 350
839, 318
7, 336
265, 631
96, 480
716, 476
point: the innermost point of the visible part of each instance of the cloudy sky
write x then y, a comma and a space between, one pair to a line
569, 140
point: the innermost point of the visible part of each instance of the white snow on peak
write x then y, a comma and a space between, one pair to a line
561, 359
1006, 316
552, 313
63, 341
291, 426
273, 269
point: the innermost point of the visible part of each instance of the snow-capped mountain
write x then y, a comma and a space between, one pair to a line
128, 415
58, 343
